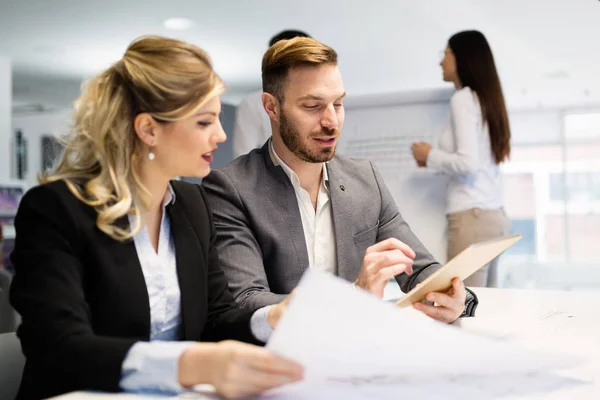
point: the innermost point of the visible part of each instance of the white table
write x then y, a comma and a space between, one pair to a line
547, 321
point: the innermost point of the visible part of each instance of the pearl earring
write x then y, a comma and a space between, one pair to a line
151, 155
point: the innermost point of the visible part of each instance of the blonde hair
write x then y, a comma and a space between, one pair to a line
287, 54
165, 78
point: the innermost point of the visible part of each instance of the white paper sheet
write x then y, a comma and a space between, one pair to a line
466, 387
357, 347
341, 334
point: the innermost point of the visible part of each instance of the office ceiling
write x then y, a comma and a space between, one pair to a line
547, 51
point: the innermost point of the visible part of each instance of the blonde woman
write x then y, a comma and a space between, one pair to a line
117, 277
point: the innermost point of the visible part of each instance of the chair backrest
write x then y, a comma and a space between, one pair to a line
7, 247
8, 316
12, 362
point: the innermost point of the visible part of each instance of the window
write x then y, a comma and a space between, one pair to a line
580, 186
552, 195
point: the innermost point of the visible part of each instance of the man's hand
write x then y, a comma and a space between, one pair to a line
383, 261
448, 306
276, 312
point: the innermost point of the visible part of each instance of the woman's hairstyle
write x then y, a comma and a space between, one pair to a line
166, 78
476, 69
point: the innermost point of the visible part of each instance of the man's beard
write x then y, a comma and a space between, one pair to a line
293, 141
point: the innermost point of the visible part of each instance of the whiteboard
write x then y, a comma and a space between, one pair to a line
383, 135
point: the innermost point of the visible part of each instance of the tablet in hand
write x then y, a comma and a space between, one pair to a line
462, 266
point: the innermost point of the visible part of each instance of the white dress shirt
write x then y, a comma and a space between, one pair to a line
252, 125
160, 273
465, 154
151, 367
319, 234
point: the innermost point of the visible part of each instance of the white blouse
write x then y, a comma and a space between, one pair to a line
464, 153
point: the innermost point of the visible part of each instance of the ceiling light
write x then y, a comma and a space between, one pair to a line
178, 24
557, 74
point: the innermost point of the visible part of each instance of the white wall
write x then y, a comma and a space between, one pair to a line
390, 129
5, 112
33, 128
421, 195
535, 126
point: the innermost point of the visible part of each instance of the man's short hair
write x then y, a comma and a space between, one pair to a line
287, 54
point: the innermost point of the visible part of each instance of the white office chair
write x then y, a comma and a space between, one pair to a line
12, 362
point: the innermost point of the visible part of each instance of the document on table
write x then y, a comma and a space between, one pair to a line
466, 387
348, 338
355, 346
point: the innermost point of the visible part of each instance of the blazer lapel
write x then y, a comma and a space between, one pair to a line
132, 281
281, 193
190, 266
341, 206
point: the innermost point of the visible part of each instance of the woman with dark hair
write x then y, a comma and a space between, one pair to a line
471, 147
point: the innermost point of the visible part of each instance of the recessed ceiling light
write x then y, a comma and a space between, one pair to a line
178, 24
557, 74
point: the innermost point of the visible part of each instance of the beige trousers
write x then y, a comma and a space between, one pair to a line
472, 226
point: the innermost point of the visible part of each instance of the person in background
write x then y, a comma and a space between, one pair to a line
117, 276
474, 143
252, 125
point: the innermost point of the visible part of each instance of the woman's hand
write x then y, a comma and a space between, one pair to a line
236, 369
420, 152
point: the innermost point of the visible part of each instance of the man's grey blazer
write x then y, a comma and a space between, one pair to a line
260, 239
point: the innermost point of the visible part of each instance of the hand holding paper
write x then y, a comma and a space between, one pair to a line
277, 311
